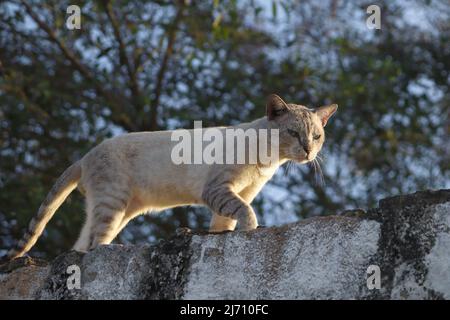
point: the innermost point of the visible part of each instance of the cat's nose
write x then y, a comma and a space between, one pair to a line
307, 149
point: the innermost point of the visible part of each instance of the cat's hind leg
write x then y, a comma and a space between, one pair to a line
83, 241
125, 220
108, 212
134, 209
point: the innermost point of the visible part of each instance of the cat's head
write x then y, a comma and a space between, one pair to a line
301, 132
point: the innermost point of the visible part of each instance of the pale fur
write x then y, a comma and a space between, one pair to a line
132, 174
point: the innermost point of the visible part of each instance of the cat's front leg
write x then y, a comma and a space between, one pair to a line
220, 223
246, 218
227, 203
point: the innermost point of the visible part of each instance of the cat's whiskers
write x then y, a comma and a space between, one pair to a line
319, 170
313, 164
290, 165
319, 157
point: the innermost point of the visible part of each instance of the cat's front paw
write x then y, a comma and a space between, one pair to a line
248, 223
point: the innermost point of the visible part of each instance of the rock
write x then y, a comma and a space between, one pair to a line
22, 278
407, 238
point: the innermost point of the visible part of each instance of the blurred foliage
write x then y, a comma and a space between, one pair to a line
155, 65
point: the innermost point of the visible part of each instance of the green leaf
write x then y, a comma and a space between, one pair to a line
274, 9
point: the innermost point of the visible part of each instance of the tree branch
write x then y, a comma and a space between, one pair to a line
123, 58
163, 67
19, 91
123, 120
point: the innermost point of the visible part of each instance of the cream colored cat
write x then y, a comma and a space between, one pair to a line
132, 174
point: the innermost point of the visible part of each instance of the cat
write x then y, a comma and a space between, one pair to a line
133, 173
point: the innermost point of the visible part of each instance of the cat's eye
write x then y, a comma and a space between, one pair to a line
316, 136
293, 133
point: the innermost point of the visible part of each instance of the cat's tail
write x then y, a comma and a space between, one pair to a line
65, 184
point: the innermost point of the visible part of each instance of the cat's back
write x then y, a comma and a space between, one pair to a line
143, 153
127, 151
131, 142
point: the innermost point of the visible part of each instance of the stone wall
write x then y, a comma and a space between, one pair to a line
407, 237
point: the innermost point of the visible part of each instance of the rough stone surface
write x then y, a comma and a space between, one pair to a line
319, 258
408, 237
23, 279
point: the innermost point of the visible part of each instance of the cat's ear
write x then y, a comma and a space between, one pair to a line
326, 112
275, 107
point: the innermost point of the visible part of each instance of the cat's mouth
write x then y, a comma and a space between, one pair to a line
303, 158
300, 156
